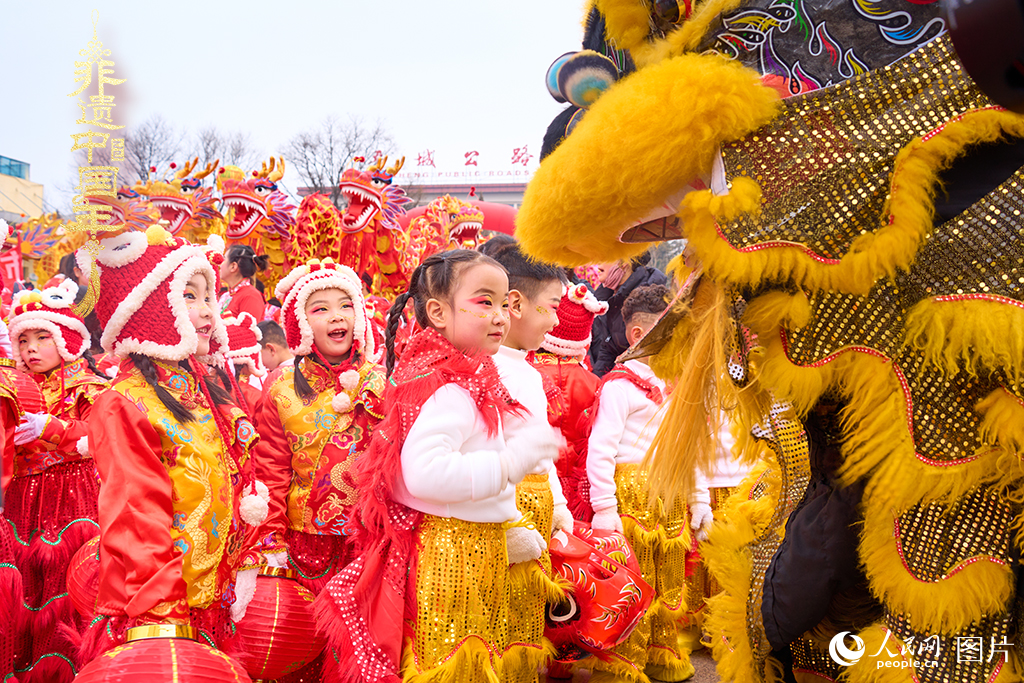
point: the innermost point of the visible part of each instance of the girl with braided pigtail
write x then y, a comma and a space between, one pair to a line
437, 495
178, 505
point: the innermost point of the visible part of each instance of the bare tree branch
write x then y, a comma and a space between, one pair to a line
322, 153
235, 149
152, 143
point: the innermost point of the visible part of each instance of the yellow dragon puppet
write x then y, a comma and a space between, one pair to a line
447, 223
188, 207
867, 334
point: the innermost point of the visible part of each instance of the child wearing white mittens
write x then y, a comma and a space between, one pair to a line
427, 599
627, 413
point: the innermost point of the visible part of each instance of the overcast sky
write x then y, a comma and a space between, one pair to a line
450, 76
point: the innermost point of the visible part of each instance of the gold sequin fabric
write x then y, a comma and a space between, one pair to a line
825, 162
527, 597
809, 657
462, 598
973, 655
660, 539
937, 541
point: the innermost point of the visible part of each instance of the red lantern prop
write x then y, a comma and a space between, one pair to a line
163, 652
29, 395
84, 577
278, 630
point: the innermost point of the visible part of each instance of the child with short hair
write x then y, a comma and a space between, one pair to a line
563, 360
627, 415
535, 291
274, 346
427, 599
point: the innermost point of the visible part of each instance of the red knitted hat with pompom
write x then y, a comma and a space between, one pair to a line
576, 311
141, 303
244, 346
51, 309
294, 290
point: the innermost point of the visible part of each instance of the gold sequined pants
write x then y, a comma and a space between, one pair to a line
660, 539
702, 585
528, 597
462, 591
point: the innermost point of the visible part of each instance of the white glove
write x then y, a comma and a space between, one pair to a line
523, 544
607, 519
701, 519
561, 519
31, 427
245, 589
528, 451
278, 559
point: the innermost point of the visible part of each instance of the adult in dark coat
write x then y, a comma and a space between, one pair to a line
609, 330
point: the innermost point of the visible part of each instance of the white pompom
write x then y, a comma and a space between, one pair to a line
349, 379
253, 509
262, 491
82, 446
341, 403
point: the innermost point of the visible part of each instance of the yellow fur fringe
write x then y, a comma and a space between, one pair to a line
471, 662
533, 577
626, 22
890, 248
942, 607
520, 663
641, 142
663, 665
977, 336
878, 440
727, 556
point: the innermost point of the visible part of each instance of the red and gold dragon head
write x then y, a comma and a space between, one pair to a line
257, 203
373, 201
128, 208
447, 223
183, 202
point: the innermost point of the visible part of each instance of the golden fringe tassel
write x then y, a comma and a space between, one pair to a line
526, 661
890, 248
684, 440
729, 562
1002, 420
941, 607
626, 22
663, 665
684, 39
976, 336
531, 576
472, 661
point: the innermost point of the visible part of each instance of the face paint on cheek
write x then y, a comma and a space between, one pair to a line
544, 311
482, 316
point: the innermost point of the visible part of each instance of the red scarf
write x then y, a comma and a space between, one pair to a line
363, 607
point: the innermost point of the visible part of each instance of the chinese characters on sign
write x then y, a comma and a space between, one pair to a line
94, 75
900, 654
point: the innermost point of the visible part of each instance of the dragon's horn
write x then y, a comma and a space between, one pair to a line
206, 171
263, 172
187, 168
274, 176
379, 164
399, 163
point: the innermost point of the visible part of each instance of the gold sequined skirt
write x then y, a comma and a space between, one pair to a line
660, 539
531, 586
462, 597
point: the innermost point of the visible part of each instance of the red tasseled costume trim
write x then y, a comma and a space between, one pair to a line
11, 613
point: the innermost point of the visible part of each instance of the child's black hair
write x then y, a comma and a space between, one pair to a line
272, 334
435, 278
248, 262
650, 299
146, 366
525, 275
